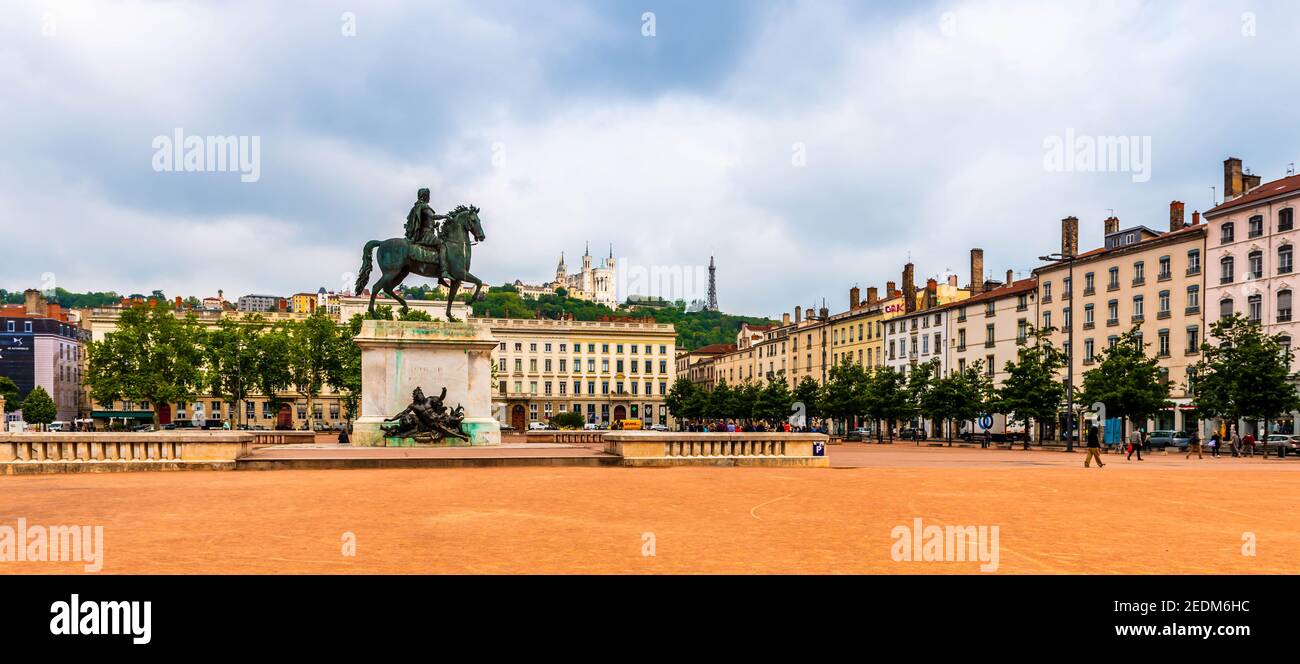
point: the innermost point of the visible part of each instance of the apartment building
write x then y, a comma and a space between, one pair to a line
606, 370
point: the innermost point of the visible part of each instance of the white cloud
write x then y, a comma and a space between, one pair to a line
916, 140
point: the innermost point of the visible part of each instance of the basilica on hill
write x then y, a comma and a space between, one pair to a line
591, 283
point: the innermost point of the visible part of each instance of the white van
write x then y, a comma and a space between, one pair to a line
59, 426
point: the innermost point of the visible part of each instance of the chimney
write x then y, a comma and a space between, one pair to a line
1249, 182
178, 303
1232, 181
1175, 215
785, 318
952, 280
854, 297
872, 295
909, 288
1070, 236
976, 271
1010, 276
34, 303
1196, 217
931, 293
284, 306
1112, 225
798, 314
824, 313
891, 289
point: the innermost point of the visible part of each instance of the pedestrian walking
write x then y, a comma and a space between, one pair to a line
1248, 442
1235, 442
1194, 445
1214, 445
1094, 448
344, 439
986, 439
1135, 444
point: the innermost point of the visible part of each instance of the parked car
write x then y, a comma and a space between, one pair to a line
539, 426
1282, 444
912, 434
657, 427
858, 434
507, 427
1161, 439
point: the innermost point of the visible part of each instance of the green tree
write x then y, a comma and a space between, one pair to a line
39, 408
1127, 381
230, 354
687, 401
416, 315
958, 397
772, 404
343, 371
11, 394
843, 397
568, 420
721, 401
311, 341
1031, 389
743, 400
920, 382
272, 362
153, 356
1248, 376
886, 399
808, 393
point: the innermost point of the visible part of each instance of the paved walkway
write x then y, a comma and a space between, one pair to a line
1053, 516
910, 455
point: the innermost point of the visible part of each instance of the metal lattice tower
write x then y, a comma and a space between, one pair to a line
713, 287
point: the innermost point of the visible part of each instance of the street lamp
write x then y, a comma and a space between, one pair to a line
1058, 257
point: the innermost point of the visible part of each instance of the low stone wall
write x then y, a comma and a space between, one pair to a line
264, 438
52, 452
652, 448
574, 437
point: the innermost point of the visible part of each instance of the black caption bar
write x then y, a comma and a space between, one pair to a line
311, 613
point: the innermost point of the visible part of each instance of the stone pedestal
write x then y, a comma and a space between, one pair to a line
399, 356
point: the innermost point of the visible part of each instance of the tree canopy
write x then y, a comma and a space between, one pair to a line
1247, 376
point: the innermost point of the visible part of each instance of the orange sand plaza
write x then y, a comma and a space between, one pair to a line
1163, 515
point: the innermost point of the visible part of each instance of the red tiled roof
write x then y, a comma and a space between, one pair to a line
714, 349
1186, 230
1267, 190
1015, 288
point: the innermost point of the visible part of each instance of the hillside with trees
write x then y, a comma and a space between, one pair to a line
694, 329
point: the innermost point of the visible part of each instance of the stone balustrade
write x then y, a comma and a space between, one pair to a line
570, 437
264, 438
58, 452
653, 448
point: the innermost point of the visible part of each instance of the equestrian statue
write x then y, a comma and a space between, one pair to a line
436, 246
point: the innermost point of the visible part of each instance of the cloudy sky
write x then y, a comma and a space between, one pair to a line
809, 146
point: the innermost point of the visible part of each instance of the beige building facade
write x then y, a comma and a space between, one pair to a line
605, 370
1151, 280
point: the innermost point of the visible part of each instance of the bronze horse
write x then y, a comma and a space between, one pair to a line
461, 231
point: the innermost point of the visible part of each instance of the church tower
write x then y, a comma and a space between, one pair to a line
609, 262
561, 271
